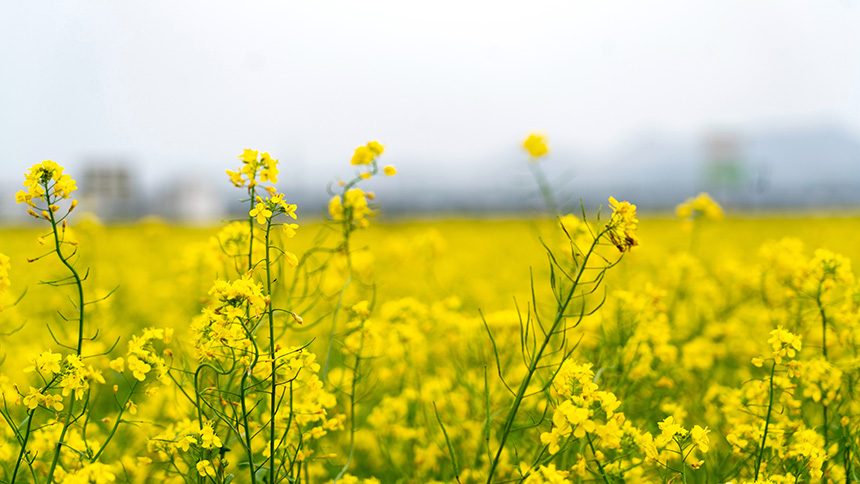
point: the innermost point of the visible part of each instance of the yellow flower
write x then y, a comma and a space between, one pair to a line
236, 178
261, 212
784, 343
390, 170
669, 430
45, 362
580, 467
248, 156
39, 177
205, 468
289, 230
138, 367
118, 364
365, 155
270, 172
335, 208
375, 147
362, 156
64, 186
623, 224
208, 439
700, 437
536, 145
701, 206
4, 273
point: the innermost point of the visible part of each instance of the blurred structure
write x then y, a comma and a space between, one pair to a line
108, 191
726, 172
191, 198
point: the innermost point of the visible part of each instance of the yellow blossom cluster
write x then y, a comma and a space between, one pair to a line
459, 369
4, 273
702, 206
536, 146
622, 226
351, 207
256, 168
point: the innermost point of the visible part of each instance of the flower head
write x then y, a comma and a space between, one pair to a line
536, 145
43, 181
623, 224
784, 343
365, 155
701, 206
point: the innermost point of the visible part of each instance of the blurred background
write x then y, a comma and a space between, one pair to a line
148, 103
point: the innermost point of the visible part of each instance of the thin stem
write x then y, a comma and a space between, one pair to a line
244, 407
559, 317
253, 193
270, 312
80, 287
599, 465
545, 188
766, 422
355, 376
116, 425
23, 445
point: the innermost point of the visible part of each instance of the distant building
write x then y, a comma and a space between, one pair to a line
724, 164
108, 190
192, 198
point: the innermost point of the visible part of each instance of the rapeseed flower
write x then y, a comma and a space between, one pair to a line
701, 206
535, 144
622, 225
42, 178
365, 155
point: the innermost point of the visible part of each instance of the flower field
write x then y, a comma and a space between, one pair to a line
604, 347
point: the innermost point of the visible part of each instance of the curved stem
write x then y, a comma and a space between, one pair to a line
80, 287
559, 317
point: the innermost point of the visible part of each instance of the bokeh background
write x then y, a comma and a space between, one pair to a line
147, 103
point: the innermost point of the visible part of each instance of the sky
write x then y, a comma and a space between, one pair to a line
183, 87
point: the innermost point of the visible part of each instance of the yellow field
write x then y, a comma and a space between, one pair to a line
712, 351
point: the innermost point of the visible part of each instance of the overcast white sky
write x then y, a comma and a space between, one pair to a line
190, 84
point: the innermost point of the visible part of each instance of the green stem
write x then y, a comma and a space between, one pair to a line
244, 407
824, 351
80, 287
270, 312
545, 188
116, 425
253, 192
559, 317
23, 445
355, 376
594, 453
683, 463
766, 422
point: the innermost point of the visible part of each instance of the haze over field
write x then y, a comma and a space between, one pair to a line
632, 97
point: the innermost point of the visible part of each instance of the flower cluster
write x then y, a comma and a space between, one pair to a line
622, 225
267, 208
142, 357
785, 344
702, 206
5, 266
45, 182
535, 145
256, 168
352, 207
